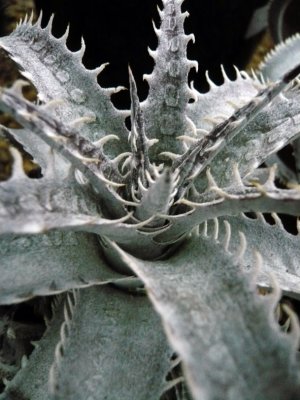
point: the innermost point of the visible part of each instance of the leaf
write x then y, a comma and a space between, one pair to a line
158, 198
268, 132
50, 263
111, 346
37, 206
59, 74
217, 202
169, 93
39, 150
69, 144
224, 333
31, 382
280, 250
283, 58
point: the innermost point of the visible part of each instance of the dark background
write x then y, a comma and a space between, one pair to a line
122, 30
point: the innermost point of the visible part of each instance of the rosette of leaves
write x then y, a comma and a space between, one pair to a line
157, 208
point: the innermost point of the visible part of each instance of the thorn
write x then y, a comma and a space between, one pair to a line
214, 146
18, 86
212, 85
211, 182
257, 264
120, 157
269, 184
216, 229
133, 196
52, 104
227, 235
286, 326
64, 37
254, 75
30, 18
147, 77
17, 168
223, 194
237, 176
169, 385
170, 155
191, 37
160, 12
151, 142
234, 105
149, 177
34, 343
276, 290
156, 30
25, 20
193, 64
24, 361
126, 162
260, 217
11, 334
225, 77
141, 186
277, 220
204, 231
195, 173
203, 132
5, 381
98, 70
242, 247
117, 89
101, 142
188, 139
260, 188
78, 122
48, 28
108, 182
298, 226
152, 53
80, 178
295, 329
175, 362
238, 72
39, 20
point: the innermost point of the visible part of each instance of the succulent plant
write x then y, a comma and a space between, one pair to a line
148, 243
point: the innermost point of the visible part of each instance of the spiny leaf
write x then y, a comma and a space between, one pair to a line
122, 354
280, 250
200, 154
158, 198
228, 342
273, 128
39, 150
41, 56
219, 202
68, 143
31, 382
278, 62
169, 93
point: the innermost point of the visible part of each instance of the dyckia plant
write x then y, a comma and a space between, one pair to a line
149, 242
